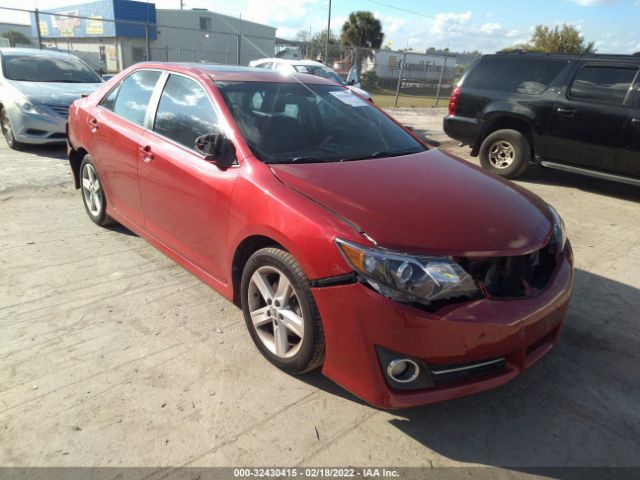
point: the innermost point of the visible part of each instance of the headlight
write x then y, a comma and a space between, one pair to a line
408, 278
559, 231
27, 107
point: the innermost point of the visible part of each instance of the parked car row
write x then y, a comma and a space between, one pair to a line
575, 113
408, 275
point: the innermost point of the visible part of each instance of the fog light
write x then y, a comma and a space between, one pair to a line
403, 370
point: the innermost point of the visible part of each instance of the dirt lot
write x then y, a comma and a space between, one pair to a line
112, 355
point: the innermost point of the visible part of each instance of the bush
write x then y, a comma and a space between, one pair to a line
369, 79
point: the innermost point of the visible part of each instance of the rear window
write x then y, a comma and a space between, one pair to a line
513, 75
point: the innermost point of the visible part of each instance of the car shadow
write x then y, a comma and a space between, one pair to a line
58, 152
548, 176
577, 407
119, 228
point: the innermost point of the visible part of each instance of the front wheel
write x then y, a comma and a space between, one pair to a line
280, 312
505, 153
7, 130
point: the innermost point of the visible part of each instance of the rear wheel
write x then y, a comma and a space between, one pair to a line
280, 311
7, 130
505, 153
93, 197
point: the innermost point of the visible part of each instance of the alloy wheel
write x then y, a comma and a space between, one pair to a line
501, 154
92, 190
275, 311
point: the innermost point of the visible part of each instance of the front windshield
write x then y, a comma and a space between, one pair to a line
44, 68
294, 122
319, 71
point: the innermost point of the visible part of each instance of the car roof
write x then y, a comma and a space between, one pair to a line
35, 52
522, 54
236, 73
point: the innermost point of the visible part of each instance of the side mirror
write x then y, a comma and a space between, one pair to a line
216, 148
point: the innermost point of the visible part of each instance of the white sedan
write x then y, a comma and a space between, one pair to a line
311, 67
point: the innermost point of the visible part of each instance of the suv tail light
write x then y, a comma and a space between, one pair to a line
453, 101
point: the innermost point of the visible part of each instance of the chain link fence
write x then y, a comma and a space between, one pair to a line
110, 46
393, 78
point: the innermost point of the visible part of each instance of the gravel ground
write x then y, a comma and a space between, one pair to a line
112, 355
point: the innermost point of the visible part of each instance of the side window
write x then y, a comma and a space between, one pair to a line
109, 102
603, 84
132, 98
184, 112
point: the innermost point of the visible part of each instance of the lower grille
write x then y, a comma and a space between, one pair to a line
443, 374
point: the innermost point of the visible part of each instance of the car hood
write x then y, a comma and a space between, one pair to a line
53, 93
428, 203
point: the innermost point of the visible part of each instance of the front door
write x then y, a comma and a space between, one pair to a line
116, 128
586, 125
185, 197
628, 159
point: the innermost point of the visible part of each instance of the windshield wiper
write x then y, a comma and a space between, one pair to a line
300, 159
381, 154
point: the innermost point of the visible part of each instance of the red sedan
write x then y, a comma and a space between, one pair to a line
408, 274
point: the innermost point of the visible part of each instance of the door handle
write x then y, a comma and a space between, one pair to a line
93, 123
567, 112
147, 154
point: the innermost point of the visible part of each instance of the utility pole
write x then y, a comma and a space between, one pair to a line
444, 65
37, 17
181, 4
326, 45
403, 61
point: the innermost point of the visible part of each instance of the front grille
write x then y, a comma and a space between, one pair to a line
62, 110
517, 276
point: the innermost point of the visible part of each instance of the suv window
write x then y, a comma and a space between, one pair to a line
514, 75
131, 99
184, 112
603, 84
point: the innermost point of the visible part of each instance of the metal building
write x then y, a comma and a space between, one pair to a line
114, 34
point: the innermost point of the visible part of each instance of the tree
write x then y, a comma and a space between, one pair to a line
16, 38
362, 29
565, 39
313, 45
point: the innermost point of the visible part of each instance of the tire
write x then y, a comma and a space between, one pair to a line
505, 153
7, 131
93, 196
272, 315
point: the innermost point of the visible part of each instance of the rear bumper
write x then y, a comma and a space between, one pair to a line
465, 130
358, 321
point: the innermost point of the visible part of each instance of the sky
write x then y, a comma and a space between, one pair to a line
485, 25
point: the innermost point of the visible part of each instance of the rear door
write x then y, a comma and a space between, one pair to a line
116, 127
185, 197
586, 126
628, 159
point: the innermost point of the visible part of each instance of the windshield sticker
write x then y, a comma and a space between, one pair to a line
345, 96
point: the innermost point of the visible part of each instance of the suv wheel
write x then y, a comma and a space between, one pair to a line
505, 153
280, 312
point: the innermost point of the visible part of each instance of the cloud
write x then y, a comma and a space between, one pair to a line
283, 13
451, 23
491, 28
594, 3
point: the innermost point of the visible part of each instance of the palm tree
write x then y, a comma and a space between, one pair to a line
362, 30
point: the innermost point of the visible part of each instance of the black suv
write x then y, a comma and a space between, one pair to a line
575, 113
